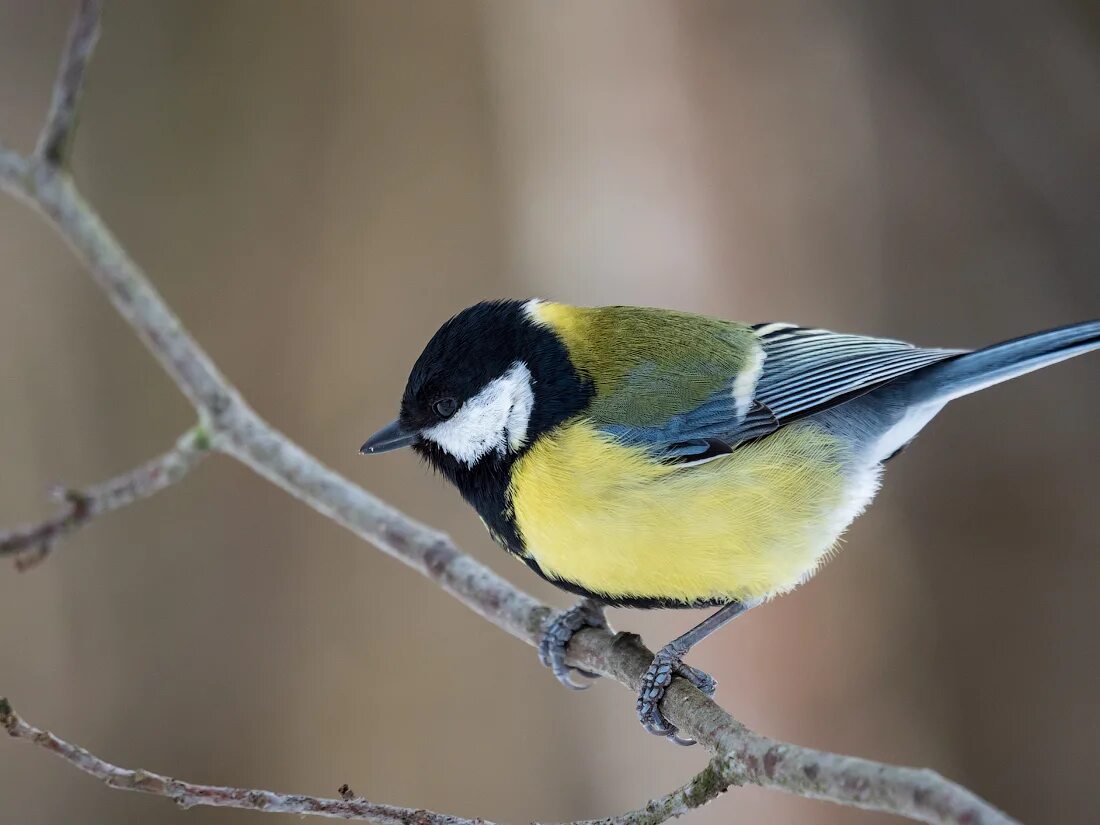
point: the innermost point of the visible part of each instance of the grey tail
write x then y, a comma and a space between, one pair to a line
973, 371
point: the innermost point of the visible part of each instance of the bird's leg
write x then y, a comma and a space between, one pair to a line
585, 613
669, 662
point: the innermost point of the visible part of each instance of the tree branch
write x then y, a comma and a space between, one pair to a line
696, 793
30, 545
715, 779
189, 794
13, 168
234, 428
57, 133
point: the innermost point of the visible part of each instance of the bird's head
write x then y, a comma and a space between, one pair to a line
490, 381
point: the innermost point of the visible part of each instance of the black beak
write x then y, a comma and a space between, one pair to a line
391, 437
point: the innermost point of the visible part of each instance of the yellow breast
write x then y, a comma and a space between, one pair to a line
751, 524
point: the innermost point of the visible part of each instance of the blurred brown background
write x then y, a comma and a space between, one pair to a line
315, 186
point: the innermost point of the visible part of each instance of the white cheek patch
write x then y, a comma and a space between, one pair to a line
523, 401
494, 419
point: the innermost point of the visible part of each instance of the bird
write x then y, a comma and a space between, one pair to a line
651, 458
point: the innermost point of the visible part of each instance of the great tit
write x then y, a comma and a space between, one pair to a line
650, 458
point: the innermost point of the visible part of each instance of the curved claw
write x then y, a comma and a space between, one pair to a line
655, 683
564, 677
544, 650
557, 635
659, 728
552, 655
649, 714
675, 739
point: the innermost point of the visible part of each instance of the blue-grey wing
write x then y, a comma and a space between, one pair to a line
809, 370
800, 372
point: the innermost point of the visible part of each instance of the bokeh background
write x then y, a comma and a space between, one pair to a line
315, 186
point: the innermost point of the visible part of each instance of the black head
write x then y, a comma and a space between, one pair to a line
488, 383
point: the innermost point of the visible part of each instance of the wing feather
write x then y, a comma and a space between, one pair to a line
803, 371
807, 370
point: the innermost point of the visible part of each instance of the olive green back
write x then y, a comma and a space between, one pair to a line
650, 364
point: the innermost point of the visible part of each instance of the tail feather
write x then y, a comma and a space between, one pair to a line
973, 371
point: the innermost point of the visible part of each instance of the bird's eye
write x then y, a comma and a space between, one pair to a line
445, 407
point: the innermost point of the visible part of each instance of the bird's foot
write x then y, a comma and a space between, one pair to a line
666, 664
585, 613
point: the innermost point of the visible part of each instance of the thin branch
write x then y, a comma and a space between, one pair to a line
13, 169
31, 544
57, 133
189, 794
238, 431
715, 779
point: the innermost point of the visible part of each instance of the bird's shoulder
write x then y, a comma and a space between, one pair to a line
648, 365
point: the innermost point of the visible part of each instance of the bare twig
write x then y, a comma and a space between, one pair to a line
189, 794
716, 778
57, 133
30, 545
13, 167
701, 789
744, 756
